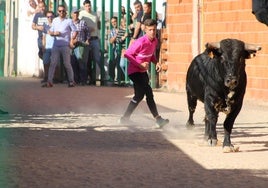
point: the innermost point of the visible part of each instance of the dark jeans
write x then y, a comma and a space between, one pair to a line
93, 59
40, 48
79, 65
141, 88
115, 64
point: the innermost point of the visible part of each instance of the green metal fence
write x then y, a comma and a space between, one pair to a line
103, 33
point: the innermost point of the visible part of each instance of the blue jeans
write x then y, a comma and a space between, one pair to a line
113, 63
47, 56
123, 66
63, 51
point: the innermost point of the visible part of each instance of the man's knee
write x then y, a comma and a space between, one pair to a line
138, 98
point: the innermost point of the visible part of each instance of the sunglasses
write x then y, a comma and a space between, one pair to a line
62, 11
49, 16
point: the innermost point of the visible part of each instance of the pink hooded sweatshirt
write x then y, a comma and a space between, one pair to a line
141, 50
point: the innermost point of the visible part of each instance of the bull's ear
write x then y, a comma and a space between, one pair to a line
213, 45
212, 53
212, 49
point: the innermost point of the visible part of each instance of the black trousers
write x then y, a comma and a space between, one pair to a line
141, 88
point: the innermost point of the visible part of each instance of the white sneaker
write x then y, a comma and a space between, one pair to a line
160, 122
124, 120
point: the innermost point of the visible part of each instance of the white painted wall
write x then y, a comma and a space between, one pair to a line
28, 63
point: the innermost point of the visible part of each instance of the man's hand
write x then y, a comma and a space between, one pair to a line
158, 67
72, 43
39, 27
55, 33
144, 65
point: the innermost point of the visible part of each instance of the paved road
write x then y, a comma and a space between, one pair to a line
67, 137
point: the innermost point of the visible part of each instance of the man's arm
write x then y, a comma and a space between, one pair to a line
37, 27
112, 37
137, 30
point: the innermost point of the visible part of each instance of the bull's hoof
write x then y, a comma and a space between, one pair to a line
212, 142
190, 125
230, 149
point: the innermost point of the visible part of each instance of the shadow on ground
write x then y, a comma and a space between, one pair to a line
53, 137
53, 158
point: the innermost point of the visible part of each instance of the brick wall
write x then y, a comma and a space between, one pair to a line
192, 23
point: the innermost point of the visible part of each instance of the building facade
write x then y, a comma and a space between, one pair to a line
192, 23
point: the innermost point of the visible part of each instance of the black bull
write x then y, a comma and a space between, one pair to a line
217, 77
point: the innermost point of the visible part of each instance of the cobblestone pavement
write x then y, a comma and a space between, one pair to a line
70, 137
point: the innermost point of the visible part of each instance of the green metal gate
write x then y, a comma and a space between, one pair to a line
2, 38
77, 3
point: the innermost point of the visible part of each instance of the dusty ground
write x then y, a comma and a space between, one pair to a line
70, 137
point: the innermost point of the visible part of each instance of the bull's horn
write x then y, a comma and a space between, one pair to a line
252, 47
213, 45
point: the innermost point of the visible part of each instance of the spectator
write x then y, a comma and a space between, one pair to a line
33, 8
80, 49
38, 24
147, 14
136, 18
121, 37
123, 11
48, 42
112, 40
93, 23
61, 30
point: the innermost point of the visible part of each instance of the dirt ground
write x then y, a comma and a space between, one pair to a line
70, 137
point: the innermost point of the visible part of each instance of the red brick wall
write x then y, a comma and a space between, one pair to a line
215, 20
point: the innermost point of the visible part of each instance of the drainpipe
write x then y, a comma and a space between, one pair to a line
153, 73
110, 46
9, 66
7, 36
127, 39
201, 24
119, 48
195, 30
102, 40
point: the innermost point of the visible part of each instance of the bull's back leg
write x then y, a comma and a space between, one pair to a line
192, 102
